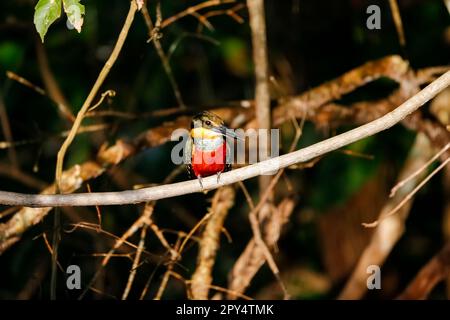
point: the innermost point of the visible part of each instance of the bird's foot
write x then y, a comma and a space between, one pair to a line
201, 185
218, 176
200, 181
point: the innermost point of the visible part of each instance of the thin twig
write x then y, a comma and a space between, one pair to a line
253, 215
143, 219
136, 260
107, 93
265, 252
262, 92
398, 22
315, 101
185, 35
435, 271
98, 83
159, 234
225, 290
25, 82
160, 51
408, 197
418, 171
390, 230
76, 125
263, 117
147, 284
50, 250
247, 196
192, 10
222, 201
167, 274
193, 230
83, 129
8, 211
253, 257
231, 12
53, 89
7, 133
94, 227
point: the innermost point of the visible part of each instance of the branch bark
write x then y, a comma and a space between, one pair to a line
389, 231
51, 85
90, 98
316, 103
263, 118
162, 55
253, 257
435, 271
223, 200
260, 168
262, 92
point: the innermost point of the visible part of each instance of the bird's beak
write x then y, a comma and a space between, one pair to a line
227, 132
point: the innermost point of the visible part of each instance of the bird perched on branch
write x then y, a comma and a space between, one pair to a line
207, 151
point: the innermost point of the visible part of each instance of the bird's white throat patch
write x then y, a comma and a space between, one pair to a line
208, 144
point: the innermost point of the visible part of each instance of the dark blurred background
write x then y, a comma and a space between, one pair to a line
309, 42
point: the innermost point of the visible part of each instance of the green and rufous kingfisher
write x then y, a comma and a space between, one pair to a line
207, 151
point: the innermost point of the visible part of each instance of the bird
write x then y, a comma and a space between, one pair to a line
207, 151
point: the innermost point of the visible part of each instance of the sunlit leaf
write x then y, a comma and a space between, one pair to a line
75, 13
45, 13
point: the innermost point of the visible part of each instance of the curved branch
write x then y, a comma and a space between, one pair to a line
435, 271
202, 278
261, 168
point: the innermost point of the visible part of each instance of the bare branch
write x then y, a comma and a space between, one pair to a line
435, 271
53, 89
209, 183
398, 22
192, 10
390, 230
315, 104
152, 32
253, 257
6, 129
223, 200
90, 98
262, 92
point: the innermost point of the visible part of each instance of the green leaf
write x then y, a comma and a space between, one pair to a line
45, 13
75, 12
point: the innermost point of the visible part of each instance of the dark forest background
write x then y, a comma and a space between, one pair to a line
309, 42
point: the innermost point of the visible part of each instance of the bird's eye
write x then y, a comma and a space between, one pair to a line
208, 123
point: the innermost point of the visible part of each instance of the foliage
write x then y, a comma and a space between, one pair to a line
48, 11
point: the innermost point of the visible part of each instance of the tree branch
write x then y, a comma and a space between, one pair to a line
202, 278
162, 55
90, 98
389, 231
435, 271
209, 183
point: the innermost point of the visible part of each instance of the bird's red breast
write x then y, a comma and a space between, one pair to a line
207, 163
